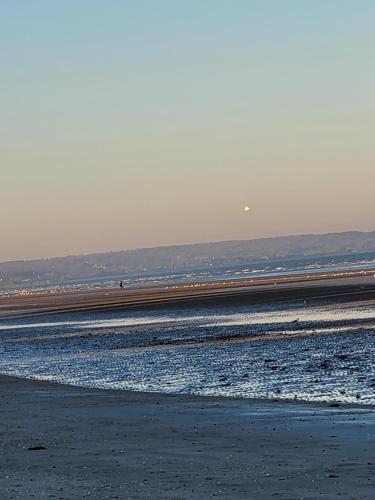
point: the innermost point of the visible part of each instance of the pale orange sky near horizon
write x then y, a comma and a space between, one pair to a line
136, 124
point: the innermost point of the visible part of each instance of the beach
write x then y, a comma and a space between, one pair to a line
335, 285
81, 441
63, 442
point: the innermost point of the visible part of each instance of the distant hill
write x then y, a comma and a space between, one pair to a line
180, 257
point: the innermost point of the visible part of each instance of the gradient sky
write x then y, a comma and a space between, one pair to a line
138, 123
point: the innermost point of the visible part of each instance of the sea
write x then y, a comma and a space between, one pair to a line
319, 350
211, 273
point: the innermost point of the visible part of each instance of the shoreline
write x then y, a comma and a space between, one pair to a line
70, 442
358, 285
186, 396
367, 285
73, 442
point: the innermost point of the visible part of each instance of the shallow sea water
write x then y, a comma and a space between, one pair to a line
315, 352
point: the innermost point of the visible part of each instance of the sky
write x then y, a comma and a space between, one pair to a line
139, 123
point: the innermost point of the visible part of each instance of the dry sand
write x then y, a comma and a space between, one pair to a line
110, 444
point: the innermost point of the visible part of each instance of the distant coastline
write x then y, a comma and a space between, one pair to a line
182, 258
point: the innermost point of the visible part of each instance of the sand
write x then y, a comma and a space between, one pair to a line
67, 443
64, 442
342, 286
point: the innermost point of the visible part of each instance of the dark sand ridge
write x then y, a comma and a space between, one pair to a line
348, 285
71, 443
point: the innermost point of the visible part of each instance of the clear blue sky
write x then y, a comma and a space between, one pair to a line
139, 123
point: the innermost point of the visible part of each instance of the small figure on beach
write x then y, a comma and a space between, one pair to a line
121, 284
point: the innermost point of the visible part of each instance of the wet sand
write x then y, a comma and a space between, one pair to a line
343, 286
65, 442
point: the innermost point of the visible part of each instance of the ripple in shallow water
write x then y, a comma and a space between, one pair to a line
313, 353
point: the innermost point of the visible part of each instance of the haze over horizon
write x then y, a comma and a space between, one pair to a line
138, 124
347, 234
